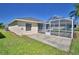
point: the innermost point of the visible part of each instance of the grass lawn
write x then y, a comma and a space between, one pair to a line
75, 45
13, 44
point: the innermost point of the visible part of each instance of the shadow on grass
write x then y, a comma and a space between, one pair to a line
1, 35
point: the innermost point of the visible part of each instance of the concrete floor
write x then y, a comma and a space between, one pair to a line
61, 43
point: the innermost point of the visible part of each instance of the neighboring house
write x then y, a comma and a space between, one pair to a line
54, 26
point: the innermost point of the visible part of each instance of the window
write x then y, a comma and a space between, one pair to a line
28, 27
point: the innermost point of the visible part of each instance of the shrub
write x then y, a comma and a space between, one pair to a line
1, 35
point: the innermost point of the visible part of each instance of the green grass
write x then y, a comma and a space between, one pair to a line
13, 44
75, 44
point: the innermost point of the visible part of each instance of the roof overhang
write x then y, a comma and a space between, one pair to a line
22, 20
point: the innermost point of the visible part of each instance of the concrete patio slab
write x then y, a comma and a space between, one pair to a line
61, 43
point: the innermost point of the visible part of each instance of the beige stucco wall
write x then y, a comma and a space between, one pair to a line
20, 28
15, 29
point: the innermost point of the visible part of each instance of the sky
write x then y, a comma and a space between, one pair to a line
10, 11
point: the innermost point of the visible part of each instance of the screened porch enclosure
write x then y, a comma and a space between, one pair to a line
58, 27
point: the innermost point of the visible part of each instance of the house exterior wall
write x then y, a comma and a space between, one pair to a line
15, 29
34, 28
20, 28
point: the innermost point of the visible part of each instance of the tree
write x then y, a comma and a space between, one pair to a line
75, 13
1, 25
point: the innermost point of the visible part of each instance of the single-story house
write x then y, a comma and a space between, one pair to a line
25, 26
55, 26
